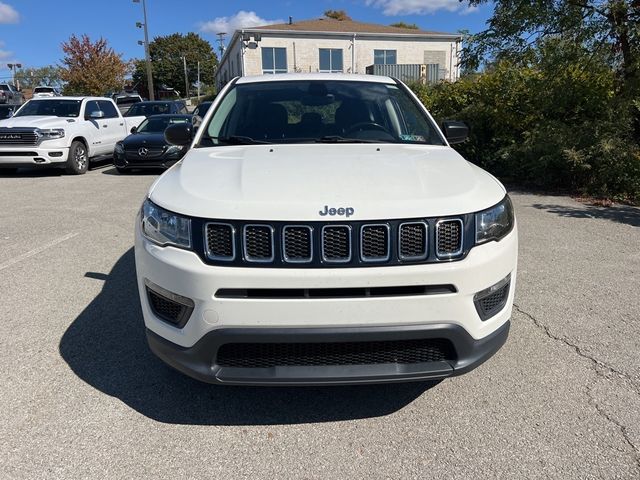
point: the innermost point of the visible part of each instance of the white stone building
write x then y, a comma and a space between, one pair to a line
328, 45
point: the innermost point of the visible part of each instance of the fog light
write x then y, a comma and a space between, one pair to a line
55, 154
170, 307
491, 300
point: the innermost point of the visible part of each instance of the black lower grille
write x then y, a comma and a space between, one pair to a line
449, 238
267, 355
168, 309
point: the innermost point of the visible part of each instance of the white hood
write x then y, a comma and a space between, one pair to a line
295, 182
37, 122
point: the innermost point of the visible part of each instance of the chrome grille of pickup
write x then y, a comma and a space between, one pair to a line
413, 241
220, 241
374, 243
258, 243
297, 243
316, 244
449, 238
336, 243
19, 136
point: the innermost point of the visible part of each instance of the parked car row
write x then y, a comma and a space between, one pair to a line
9, 94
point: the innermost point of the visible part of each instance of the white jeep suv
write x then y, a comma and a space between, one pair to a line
321, 230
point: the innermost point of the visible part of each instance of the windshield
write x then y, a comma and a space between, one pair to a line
56, 108
159, 124
148, 109
319, 111
43, 90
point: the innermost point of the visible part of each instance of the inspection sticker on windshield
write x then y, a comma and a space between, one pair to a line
412, 138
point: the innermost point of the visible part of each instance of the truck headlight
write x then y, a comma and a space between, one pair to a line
496, 222
165, 228
51, 133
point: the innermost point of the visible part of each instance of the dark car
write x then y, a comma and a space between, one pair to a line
146, 146
7, 111
157, 108
202, 109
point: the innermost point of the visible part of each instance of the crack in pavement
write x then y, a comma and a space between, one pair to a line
598, 367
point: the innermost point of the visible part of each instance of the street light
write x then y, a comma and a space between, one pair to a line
146, 49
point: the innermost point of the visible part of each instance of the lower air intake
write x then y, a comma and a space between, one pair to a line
267, 355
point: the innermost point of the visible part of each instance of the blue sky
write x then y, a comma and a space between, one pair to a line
31, 31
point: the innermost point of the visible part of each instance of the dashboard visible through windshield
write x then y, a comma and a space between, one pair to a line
330, 111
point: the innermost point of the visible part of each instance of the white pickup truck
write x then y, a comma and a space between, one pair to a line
62, 131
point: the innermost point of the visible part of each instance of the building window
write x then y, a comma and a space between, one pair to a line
384, 57
331, 60
274, 60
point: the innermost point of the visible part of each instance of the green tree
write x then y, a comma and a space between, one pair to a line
337, 15
30, 78
410, 26
517, 28
91, 68
167, 63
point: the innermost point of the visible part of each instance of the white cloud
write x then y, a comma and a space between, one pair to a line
8, 14
240, 20
418, 7
4, 54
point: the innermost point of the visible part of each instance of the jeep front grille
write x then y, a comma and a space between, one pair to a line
332, 245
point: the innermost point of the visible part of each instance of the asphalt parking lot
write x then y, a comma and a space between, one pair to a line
83, 397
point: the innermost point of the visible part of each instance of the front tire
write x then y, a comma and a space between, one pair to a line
78, 159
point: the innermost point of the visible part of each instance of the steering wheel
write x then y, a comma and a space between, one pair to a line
370, 126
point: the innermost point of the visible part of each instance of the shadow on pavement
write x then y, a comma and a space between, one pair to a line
106, 347
32, 172
139, 171
620, 213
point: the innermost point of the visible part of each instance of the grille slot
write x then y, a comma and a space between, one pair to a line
449, 238
258, 243
220, 241
336, 243
374, 242
297, 243
412, 239
354, 292
268, 355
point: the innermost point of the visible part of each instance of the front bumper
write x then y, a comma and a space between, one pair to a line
122, 161
14, 156
199, 361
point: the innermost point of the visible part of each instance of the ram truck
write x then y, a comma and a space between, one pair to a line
65, 132
322, 230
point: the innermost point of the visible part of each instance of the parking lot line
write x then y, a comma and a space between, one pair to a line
38, 250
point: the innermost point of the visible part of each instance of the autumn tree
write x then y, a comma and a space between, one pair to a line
91, 68
337, 15
168, 68
409, 26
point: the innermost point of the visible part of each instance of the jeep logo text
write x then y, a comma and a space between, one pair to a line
347, 211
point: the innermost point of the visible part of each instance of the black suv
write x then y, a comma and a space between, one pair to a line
157, 108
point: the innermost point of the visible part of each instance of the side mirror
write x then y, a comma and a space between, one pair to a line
134, 129
455, 131
96, 114
179, 134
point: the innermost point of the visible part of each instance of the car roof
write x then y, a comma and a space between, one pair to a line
348, 77
148, 102
170, 115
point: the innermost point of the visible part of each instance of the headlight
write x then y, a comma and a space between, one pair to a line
51, 133
165, 228
174, 149
495, 222
119, 148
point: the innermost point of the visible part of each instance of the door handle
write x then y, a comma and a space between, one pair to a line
122, 124
105, 126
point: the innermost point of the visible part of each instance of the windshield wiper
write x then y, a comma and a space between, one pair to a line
239, 140
339, 139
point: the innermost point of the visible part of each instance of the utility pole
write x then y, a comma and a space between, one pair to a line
186, 78
13, 67
198, 81
146, 49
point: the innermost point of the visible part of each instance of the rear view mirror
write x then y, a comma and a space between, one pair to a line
455, 131
179, 134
